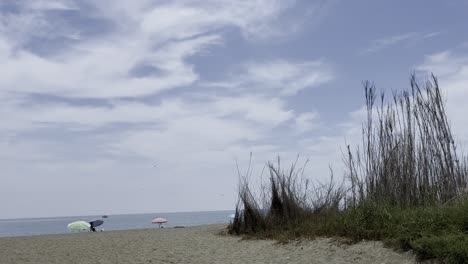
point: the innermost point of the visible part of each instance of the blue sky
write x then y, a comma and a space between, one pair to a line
146, 105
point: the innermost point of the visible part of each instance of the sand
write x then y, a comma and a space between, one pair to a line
202, 244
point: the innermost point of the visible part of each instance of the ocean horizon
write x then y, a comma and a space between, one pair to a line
58, 225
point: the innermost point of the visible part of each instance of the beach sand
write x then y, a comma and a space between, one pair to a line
202, 244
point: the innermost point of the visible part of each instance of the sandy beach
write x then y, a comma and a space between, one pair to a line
202, 244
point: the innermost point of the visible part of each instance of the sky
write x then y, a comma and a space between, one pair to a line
120, 107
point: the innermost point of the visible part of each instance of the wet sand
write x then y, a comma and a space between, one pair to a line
202, 244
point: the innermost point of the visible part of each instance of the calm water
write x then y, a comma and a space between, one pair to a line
58, 225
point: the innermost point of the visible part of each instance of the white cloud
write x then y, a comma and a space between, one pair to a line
452, 71
383, 43
18, 26
444, 63
166, 21
163, 36
114, 140
255, 19
257, 109
288, 77
277, 77
50, 4
213, 131
32, 21
102, 70
306, 122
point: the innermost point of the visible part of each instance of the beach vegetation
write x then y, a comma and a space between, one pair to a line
405, 184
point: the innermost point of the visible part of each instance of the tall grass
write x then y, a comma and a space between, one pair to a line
287, 200
408, 155
284, 201
405, 183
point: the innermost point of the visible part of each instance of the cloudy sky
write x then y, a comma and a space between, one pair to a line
118, 106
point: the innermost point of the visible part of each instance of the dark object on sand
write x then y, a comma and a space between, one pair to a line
179, 226
95, 223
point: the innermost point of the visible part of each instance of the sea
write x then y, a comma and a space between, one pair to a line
58, 225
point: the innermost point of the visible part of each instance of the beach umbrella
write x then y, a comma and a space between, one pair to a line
79, 225
95, 223
159, 221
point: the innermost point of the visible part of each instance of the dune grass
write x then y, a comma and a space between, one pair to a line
405, 185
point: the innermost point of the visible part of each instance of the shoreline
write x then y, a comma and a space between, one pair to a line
194, 244
109, 215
